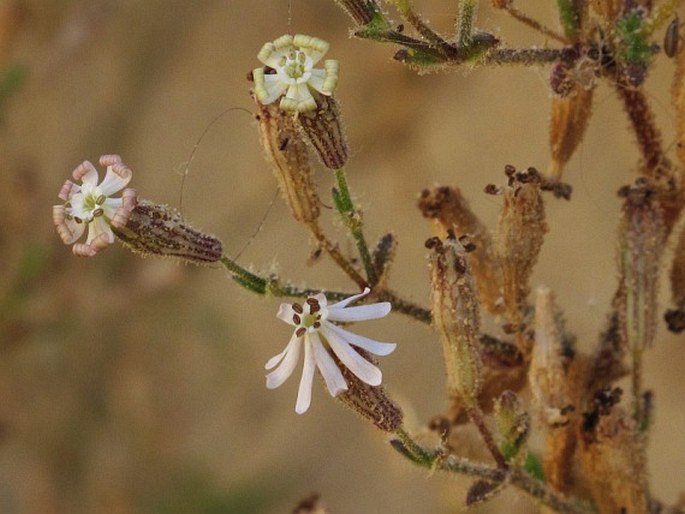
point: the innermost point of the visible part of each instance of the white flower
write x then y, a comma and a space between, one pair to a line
89, 205
293, 59
314, 330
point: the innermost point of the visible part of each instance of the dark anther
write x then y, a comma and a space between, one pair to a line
316, 324
296, 319
298, 308
300, 331
433, 243
491, 189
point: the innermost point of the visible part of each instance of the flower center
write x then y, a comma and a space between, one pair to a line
308, 318
87, 204
294, 64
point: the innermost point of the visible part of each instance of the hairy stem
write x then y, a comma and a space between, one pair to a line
476, 416
352, 219
405, 307
527, 20
515, 476
334, 252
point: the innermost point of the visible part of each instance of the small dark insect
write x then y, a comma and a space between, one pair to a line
400, 28
284, 143
315, 256
672, 38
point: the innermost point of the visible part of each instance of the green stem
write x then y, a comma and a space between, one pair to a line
515, 476
405, 307
270, 285
333, 251
467, 10
245, 278
352, 219
476, 416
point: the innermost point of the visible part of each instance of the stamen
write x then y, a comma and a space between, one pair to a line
300, 331
100, 199
296, 319
316, 324
312, 301
297, 308
98, 212
315, 308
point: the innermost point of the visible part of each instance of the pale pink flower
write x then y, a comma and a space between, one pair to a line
89, 204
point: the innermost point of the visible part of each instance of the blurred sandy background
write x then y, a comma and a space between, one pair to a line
137, 386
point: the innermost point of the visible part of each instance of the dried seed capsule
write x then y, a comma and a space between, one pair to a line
612, 460
324, 130
520, 233
370, 402
158, 230
456, 318
449, 210
287, 152
642, 239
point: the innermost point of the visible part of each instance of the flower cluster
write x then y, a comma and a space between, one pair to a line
291, 60
314, 331
90, 205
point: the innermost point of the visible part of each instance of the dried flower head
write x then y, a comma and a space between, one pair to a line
292, 59
90, 205
314, 331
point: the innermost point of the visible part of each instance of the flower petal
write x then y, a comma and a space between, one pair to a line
357, 364
268, 87
298, 98
117, 178
370, 345
304, 392
312, 47
271, 53
344, 303
69, 231
325, 81
335, 382
86, 173
288, 360
361, 313
99, 226
110, 206
285, 313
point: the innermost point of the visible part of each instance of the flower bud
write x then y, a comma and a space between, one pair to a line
158, 230
456, 317
513, 425
287, 152
323, 128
